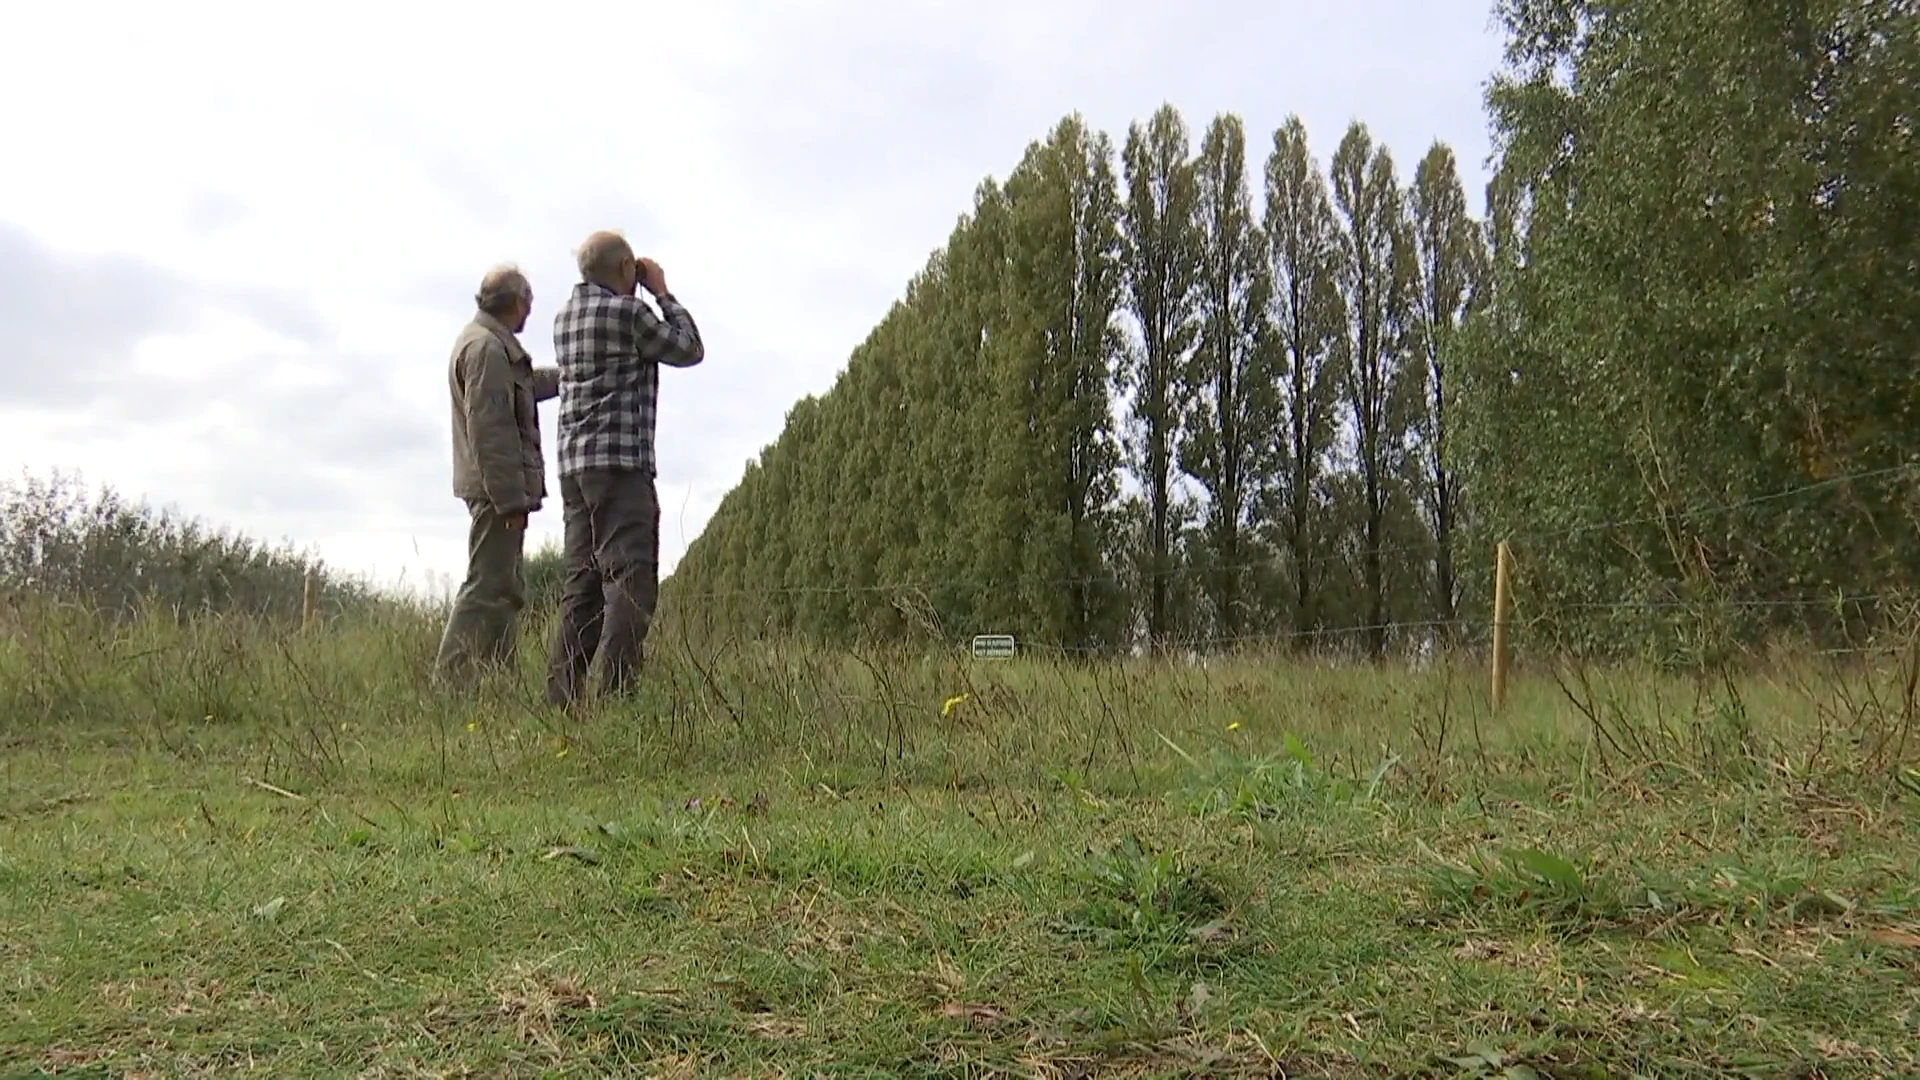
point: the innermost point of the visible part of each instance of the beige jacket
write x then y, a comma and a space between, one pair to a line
496, 431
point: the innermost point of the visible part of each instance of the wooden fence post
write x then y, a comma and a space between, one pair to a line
1502, 605
309, 598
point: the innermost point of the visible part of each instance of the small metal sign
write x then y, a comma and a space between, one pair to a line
997, 646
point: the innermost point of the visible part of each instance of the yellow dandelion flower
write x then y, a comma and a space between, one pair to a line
1235, 726
473, 725
947, 706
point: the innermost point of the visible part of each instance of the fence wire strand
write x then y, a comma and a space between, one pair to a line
1284, 563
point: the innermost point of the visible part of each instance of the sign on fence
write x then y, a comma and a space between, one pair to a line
997, 646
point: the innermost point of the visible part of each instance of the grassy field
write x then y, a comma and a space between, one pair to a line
229, 849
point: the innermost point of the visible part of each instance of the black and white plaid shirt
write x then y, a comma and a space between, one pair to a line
609, 349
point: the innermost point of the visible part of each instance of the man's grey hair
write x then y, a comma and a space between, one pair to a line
503, 285
601, 256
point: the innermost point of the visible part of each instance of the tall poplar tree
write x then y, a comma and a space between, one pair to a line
1233, 414
1373, 276
1307, 316
971, 588
1161, 251
1448, 261
1062, 290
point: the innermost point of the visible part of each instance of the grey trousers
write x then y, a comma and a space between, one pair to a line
612, 553
482, 628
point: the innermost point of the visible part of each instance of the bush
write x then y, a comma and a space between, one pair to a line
545, 572
116, 557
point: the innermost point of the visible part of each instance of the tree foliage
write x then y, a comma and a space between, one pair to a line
1165, 395
1161, 263
1703, 293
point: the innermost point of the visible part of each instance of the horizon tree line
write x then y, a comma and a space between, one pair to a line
1164, 395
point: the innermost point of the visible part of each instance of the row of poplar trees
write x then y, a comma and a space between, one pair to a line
1194, 395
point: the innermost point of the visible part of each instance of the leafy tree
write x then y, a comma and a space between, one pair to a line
1056, 359
1233, 415
1162, 247
1448, 261
1693, 287
1374, 268
1707, 296
1307, 316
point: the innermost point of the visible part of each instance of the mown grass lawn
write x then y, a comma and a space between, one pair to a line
228, 852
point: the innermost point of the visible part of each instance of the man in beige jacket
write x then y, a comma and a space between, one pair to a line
498, 469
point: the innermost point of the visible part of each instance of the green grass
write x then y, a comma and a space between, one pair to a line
226, 849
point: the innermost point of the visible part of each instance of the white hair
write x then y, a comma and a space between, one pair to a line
502, 285
602, 255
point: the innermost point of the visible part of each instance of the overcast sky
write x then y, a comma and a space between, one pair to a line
237, 240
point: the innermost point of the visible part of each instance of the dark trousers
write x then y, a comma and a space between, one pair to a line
482, 627
612, 553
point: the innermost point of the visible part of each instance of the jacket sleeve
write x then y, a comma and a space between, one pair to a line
546, 383
493, 429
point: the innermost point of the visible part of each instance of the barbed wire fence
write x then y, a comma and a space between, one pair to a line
722, 676
1536, 611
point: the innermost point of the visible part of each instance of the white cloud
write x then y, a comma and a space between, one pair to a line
238, 239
